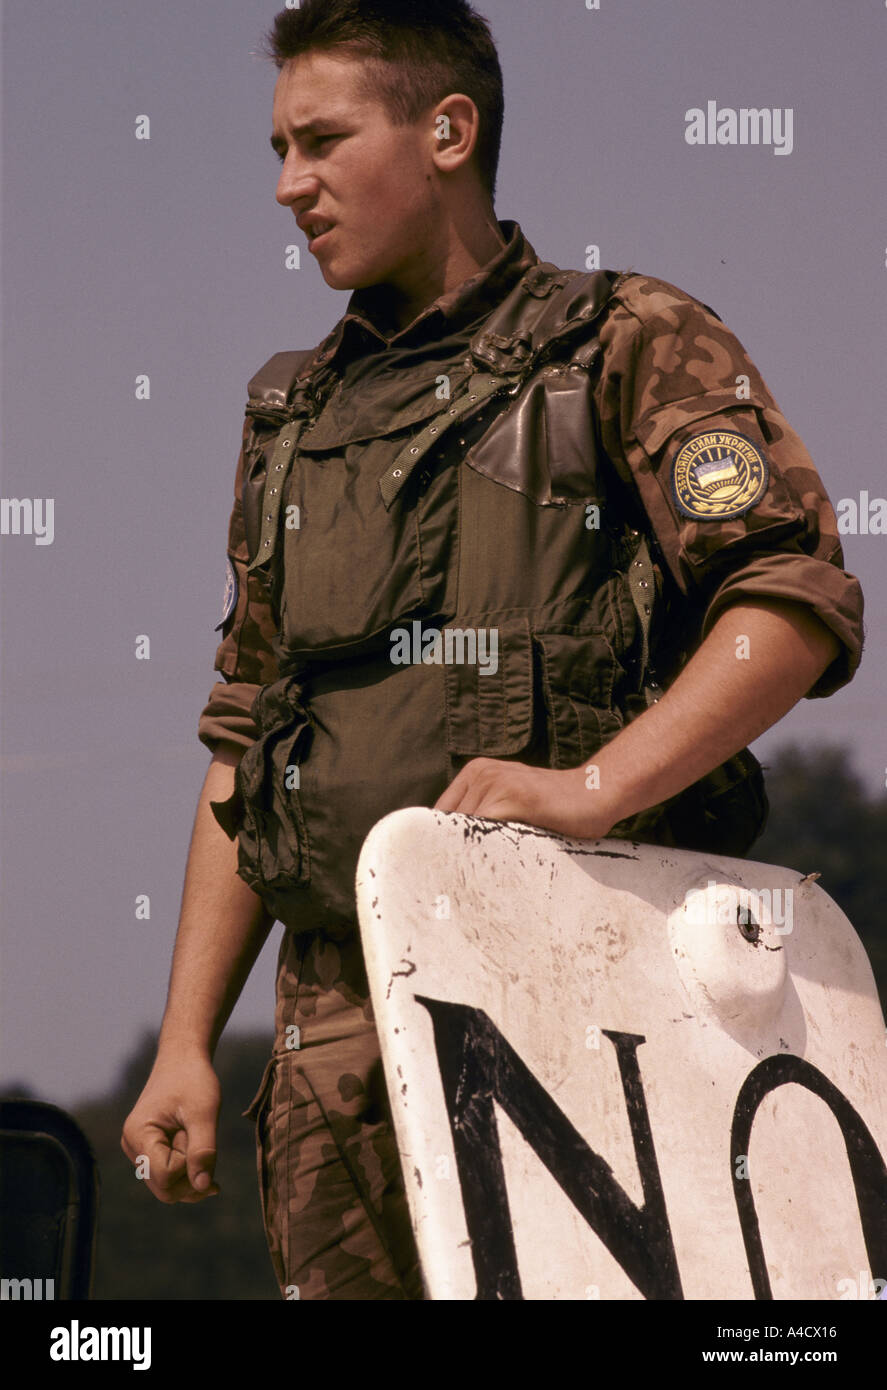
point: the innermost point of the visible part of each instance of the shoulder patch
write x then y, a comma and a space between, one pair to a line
230, 600
718, 475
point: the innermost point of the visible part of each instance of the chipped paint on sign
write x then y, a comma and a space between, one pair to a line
630, 1070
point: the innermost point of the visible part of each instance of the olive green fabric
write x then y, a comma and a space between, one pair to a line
501, 468
504, 464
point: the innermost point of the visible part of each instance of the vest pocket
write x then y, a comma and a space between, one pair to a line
551, 696
579, 672
489, 705
273, 852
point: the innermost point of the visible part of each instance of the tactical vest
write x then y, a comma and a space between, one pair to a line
486, 504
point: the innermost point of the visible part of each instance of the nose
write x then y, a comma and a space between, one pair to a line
296, 183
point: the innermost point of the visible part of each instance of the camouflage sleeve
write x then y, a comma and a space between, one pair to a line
245, 656
732, 497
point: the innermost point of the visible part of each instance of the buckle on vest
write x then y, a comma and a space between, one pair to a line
541, 280
503, 353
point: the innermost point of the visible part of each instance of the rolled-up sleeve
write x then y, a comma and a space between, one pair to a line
245, 657
672, 374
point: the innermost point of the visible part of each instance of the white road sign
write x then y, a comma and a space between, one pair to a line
624, 1072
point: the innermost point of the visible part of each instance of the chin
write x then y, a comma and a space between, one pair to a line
339, 279
354, 277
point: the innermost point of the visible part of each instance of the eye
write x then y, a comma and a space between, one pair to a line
314, 142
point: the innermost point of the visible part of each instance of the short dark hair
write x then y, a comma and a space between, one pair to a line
417, 53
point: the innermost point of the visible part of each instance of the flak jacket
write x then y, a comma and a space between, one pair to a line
523, 459
578, 472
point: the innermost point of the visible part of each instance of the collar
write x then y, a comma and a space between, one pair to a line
458, 308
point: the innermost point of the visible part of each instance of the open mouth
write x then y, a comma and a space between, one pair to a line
318, 232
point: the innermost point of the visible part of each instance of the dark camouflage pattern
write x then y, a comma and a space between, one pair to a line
489, 533
671, 370
669, 367
332, 1192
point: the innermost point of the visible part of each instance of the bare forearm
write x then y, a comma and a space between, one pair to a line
222, 927
758, 660
756, 663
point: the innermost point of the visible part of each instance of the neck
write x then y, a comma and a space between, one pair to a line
455, 253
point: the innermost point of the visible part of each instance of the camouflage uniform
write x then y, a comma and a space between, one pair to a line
513, 459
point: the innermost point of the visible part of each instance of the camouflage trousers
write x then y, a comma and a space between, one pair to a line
330, 1182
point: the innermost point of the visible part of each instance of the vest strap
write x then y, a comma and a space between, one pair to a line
274, 382
545, 306
480, 388
642, 586
554, 302
275, 478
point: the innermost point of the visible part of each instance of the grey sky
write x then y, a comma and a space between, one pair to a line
165, 257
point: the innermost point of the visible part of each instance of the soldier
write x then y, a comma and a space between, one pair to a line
466, 528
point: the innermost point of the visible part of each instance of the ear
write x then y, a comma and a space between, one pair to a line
455, 123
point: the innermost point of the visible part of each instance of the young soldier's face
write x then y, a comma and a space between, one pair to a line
362, 189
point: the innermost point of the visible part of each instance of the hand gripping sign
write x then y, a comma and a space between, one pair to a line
618, 1071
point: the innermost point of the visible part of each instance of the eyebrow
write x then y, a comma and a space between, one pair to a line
318, 127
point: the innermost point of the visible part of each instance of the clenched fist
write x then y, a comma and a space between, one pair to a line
173, 1127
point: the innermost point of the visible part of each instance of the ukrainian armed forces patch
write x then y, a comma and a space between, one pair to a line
718, 475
